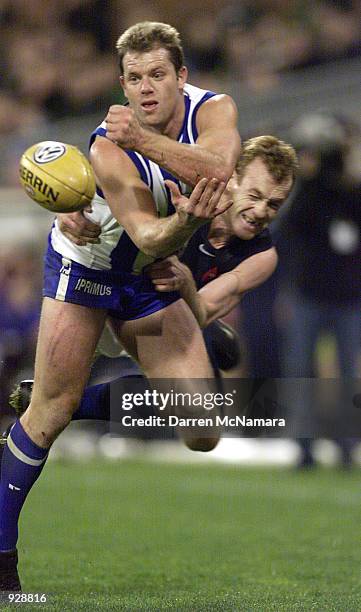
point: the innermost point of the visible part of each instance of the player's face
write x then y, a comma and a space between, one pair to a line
154, 89
256, 200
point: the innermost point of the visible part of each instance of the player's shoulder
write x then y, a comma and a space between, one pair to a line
262, 240
109, 160
196, 94
222, 104
219, 108
243, 249
100, 130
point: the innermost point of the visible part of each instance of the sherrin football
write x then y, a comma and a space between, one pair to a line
57, 176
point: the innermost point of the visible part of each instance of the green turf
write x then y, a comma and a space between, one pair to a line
143, 536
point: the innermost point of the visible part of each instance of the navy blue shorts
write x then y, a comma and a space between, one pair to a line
126, 296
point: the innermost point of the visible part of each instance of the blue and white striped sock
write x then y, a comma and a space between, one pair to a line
22, 463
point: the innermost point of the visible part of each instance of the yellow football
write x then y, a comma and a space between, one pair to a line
57, 176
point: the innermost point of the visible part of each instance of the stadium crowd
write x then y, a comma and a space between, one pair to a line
57, 58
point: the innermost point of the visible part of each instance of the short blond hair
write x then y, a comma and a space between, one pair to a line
148, 35
279, 157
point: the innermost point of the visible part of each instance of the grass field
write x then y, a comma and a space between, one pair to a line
149, 536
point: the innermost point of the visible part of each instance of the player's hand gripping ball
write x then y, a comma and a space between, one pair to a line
57, 176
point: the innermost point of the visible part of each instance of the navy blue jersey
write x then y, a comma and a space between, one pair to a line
207, 262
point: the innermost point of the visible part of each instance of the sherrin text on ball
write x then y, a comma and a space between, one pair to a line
57, 176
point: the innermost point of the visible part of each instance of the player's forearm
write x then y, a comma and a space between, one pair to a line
205, 310
220, 308
187, 162
210, 303
220, 296
191, 296
163, 237
224, 293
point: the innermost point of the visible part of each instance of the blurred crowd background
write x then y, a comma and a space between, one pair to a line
293, 67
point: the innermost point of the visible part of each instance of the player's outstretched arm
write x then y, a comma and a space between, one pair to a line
133, 206
214, 154
221, 295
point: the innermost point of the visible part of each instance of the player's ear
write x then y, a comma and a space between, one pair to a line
122, 85
182, 77
233, 182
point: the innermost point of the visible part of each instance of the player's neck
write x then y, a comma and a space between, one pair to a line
219, 233
174, 126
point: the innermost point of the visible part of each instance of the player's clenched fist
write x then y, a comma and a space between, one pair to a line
123, 126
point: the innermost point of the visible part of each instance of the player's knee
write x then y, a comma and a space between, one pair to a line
203, 445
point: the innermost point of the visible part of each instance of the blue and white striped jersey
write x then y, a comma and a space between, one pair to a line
116, 250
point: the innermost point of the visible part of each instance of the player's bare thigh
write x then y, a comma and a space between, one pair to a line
68, 335
169, 347
167, 343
